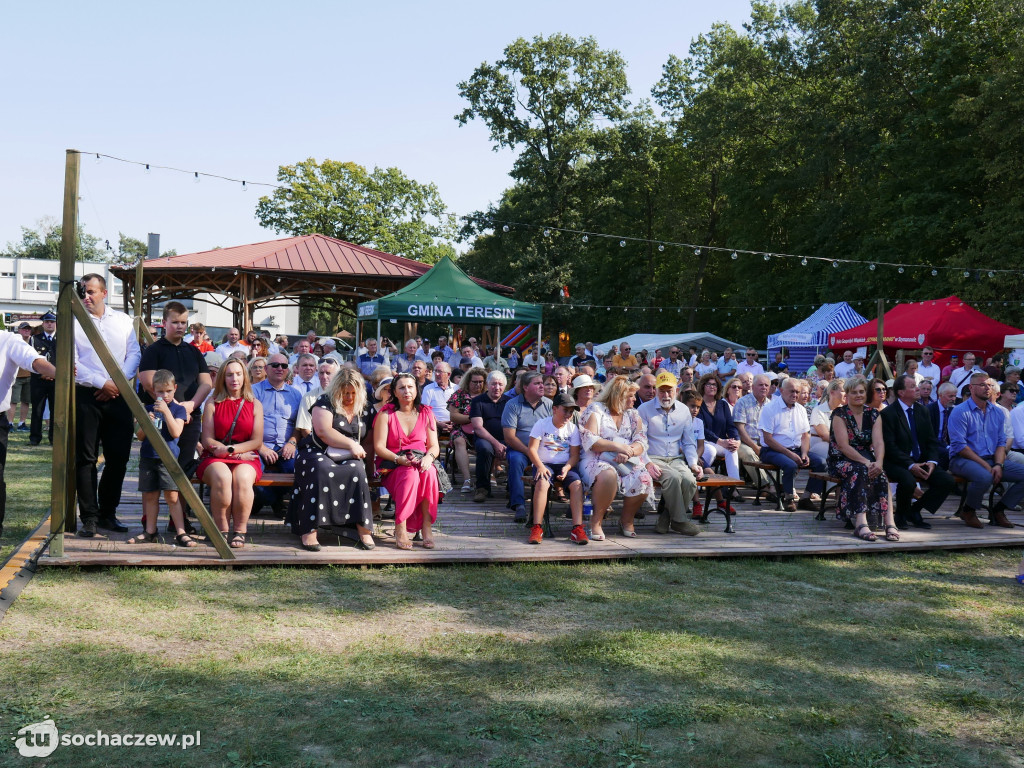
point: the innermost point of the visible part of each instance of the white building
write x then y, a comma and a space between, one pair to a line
28, 288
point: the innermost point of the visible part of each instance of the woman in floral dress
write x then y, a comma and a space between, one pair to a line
855, 455
614, 455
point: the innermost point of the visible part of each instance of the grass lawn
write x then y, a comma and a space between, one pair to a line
897, 660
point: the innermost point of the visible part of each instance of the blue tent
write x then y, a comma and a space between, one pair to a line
810, 336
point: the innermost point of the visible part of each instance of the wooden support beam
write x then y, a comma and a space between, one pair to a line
185, 488
62, 472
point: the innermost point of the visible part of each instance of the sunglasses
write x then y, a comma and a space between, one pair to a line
277, 365
751, 354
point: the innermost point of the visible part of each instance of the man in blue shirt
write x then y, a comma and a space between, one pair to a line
370, 360
726, 365
517, 420
280, 407
977, 450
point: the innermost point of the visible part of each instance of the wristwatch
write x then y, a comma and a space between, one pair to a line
231, 450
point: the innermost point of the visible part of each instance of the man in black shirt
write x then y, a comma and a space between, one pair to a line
191, 374
582, 357
485, 413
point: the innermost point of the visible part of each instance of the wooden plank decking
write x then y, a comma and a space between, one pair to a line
484, 533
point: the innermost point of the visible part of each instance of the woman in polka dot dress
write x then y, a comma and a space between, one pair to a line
331, 493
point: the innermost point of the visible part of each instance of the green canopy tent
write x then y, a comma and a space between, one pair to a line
446, 294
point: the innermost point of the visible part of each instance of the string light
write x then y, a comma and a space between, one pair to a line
735, 255
900, 270
148, 172
244, 188
835, 264
196, 178
871, 267
767, 257
803, 261
547, 233
586, 239
622, 243
505, 228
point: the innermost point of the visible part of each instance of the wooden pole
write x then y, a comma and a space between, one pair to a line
62, 472
132, 400
883, 372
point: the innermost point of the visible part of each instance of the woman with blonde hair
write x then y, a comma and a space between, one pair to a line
615, 449
257, 369
232, 434
331, 491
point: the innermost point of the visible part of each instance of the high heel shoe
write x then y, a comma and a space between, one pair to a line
366, 545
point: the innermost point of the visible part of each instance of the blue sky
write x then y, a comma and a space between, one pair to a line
240, 88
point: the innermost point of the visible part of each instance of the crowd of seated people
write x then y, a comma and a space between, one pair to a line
587, 428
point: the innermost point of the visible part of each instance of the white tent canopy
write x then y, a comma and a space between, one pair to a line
653, 341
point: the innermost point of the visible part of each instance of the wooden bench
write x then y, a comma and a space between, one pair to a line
726, 484
826, 478
775, 474
287, 480
963, 482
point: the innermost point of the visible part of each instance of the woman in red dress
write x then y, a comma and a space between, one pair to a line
230, 464
404, 425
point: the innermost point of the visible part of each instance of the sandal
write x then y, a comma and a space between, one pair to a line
428, 543
869, 536
403, 544
892, 533
184, 540
237, 540
144, 538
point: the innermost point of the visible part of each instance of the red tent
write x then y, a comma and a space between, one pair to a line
948, 325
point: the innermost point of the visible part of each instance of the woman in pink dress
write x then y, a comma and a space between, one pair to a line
405, 435
230, 463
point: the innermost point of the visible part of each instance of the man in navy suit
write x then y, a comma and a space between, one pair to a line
912, 455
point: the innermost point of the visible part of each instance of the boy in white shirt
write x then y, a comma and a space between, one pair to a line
554, 450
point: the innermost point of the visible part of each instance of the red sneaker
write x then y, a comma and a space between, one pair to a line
536, 534
577, 535
723, 505
698, 509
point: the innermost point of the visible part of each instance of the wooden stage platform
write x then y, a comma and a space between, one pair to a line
485, 533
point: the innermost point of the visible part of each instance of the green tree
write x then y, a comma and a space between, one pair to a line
382, 209
43, 242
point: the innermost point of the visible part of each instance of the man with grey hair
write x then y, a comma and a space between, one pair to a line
436, 395
403, 363
485, 414
961, 377
325, 371
786, 442
1012, 376
672, 454
746, 416
517, 421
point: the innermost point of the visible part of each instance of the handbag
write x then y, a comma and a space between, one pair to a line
231, 430
444, 482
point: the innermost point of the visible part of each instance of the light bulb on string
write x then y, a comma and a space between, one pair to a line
547, 233
696, 251
803, 262
244, 188
835, 265
147, 169
871, 267
97, 158
767, 257
586, 239
505, 228
196, 177
622, 243
935, 272
661, 248
991, 273
966, 273
735, 255
901, 270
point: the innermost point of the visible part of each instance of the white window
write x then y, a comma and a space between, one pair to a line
46, 283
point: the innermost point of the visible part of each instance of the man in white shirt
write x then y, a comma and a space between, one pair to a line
469, 352
532, 360
672, 454
103, 418
750, 364
746, 415
437, 394
845, 369
15, 354
786, 443
232, 345
961, 377
927, 368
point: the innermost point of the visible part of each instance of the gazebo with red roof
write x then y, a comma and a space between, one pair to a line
264, 274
